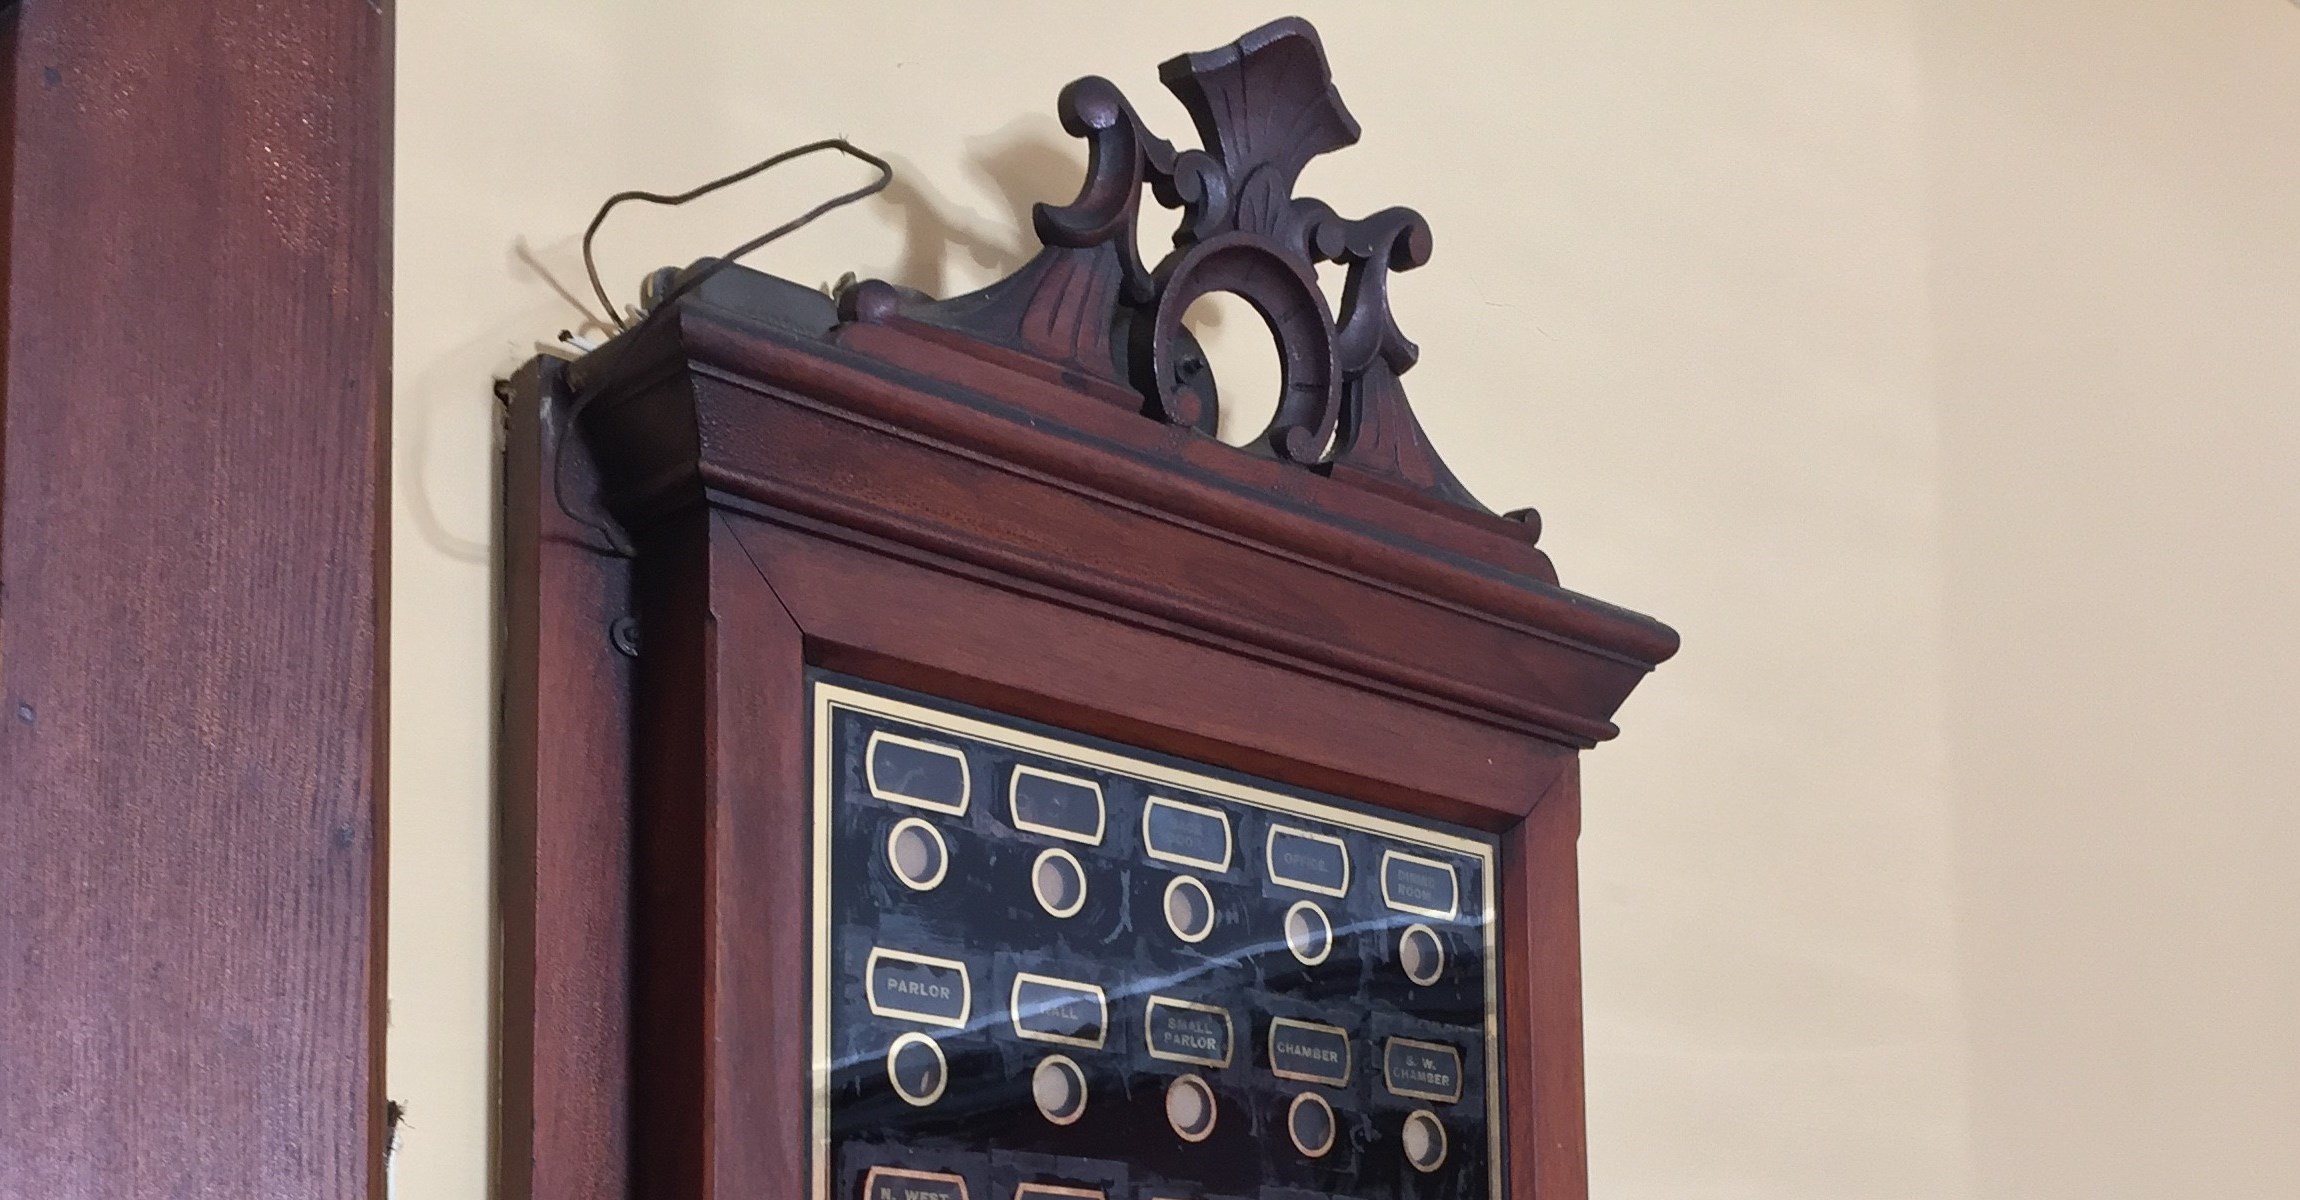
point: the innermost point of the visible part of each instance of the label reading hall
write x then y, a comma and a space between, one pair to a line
1422, 1070
1309, 1052
921, 774
1419, 885
1313, 862
1180, 1031
1062, 1011
914, 987
889, 1183
1190, 834
1056, 805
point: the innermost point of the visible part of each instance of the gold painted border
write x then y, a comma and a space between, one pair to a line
1084, 882
941, 1085
1349, 1054
870, 773
1323, 919
941, 846
1453, 1052
965, 983
1014, 806
1014, 1010
1229, 1041
1333, 1124
1151, 804
870, 1178
1270, 860
1442, 914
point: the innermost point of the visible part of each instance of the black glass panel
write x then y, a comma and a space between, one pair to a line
1050, 966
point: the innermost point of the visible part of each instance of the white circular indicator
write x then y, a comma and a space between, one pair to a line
1310, 1124
917, 1069
1059, 882
1058, 1087
1308, 933
1189, 909
1190, 1108
1422, 953
918, 855
1425, 1140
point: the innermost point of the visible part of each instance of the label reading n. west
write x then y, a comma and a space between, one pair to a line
890, 1183
1180, 1031
1313, 862
915, 987
1190, 834
1420, 885
1059, 1010
1309, 1052
1422, 1070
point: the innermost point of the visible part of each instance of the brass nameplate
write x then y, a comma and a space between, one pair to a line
890, 1183
1422, 1070
1062, 1011
915, 987
1062, 806
1309, 1052
1420, 885
1192, 835
1180, 1031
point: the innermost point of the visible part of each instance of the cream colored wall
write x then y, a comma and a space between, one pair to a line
1932, 364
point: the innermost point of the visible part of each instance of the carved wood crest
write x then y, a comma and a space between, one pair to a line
1088, 309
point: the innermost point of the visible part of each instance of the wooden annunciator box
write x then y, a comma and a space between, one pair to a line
936, 767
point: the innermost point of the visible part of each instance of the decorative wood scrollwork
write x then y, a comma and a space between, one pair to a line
1090, 310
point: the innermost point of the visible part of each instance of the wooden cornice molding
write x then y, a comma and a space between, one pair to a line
945, 429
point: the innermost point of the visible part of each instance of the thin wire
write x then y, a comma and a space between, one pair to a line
591, 266
693, 279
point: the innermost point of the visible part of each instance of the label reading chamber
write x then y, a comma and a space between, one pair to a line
1309, 1052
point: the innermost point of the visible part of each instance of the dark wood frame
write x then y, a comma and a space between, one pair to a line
193, 521
965, 498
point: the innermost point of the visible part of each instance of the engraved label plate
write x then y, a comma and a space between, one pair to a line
1179, 1031
1422, 1070
1309, 1052
1420, 885
1048, 1191
890, 1183
1313, 862
1062, 806
919, 773
1193, 835
1062, 1011
915, 987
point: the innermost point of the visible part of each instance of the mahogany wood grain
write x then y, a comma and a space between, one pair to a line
1541, 955
192, 564
1034, 656
563, 846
